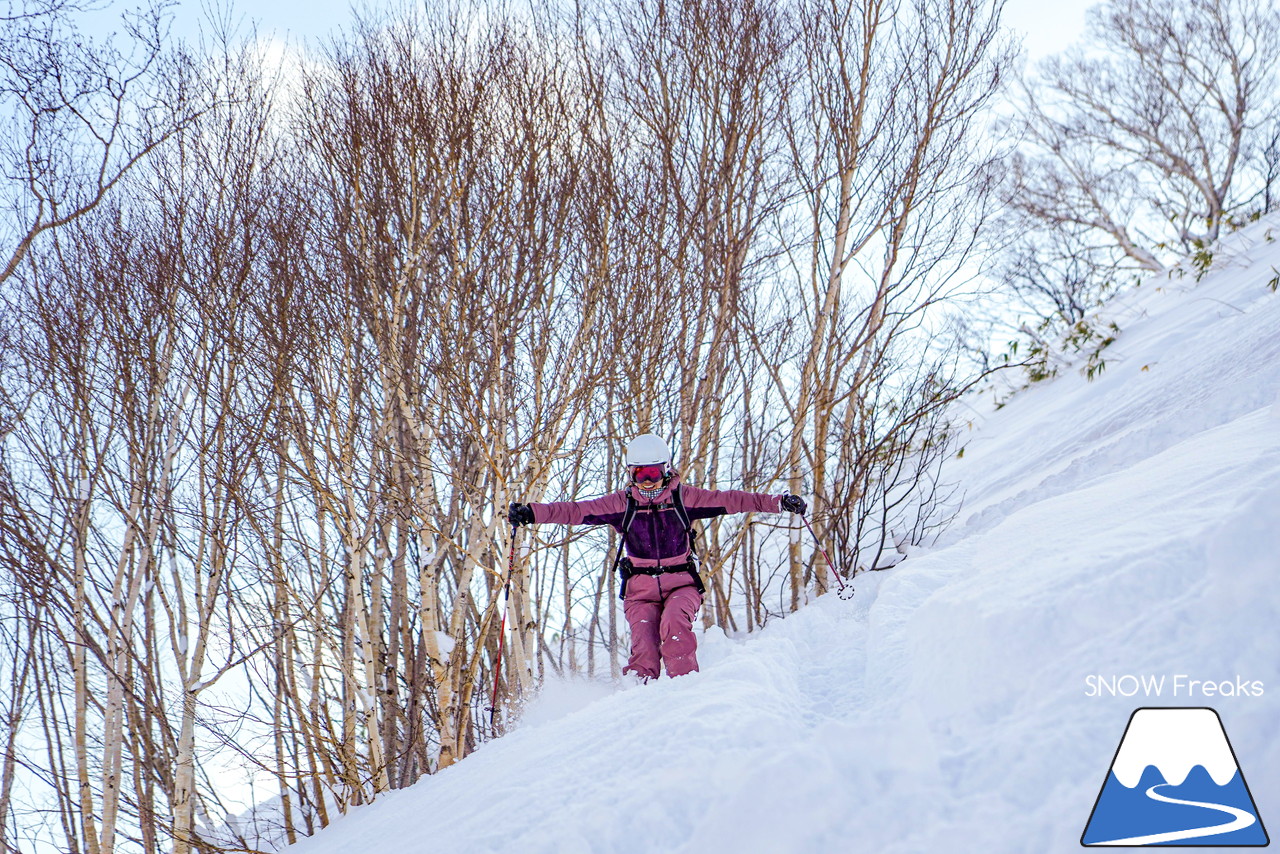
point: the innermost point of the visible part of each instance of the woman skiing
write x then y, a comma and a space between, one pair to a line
661, 589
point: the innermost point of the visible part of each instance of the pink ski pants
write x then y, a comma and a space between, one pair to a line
660, 610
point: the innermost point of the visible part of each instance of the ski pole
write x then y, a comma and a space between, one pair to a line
843, 587
502, 630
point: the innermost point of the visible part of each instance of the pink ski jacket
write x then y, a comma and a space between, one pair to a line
657, 537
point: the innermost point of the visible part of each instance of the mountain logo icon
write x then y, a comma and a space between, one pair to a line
1175, 781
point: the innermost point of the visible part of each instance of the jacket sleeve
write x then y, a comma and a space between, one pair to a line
707, 503
606, 510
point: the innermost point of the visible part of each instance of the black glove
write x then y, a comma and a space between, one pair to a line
520, 514
793, 504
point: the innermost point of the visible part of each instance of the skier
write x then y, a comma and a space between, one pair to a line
661, 588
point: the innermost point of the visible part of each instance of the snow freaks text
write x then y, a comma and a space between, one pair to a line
1178, 686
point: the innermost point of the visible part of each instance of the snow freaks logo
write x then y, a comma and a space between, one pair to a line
1175, 781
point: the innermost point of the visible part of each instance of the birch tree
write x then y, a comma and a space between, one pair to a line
1140, 145
264, 404
79, 113
886, 147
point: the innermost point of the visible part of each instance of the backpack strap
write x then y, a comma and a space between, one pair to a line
678, 501
627, 519
629, 516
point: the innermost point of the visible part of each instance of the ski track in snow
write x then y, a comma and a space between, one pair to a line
1239, 821
1123, 526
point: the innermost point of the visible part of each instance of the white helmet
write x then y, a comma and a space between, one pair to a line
648, 450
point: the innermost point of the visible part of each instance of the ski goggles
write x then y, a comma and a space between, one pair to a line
648, 474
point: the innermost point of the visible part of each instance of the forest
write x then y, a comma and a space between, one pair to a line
283, 335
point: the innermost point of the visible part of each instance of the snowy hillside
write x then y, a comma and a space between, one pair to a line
1117, 533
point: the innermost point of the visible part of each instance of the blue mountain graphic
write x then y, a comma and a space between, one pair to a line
1123, 813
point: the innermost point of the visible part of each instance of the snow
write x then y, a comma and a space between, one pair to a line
445, 642
1121, 527
1174, 741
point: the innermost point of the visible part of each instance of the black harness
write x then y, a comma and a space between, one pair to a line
627, 569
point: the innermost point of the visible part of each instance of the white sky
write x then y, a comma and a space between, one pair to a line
1048, 26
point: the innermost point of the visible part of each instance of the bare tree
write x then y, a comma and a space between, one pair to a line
1141, 144
264, 405
886, 146
452, 193
80, 114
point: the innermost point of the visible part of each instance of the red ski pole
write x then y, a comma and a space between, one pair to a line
843, 587
502, 630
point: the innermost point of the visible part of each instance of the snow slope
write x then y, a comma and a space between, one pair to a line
1123, 527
